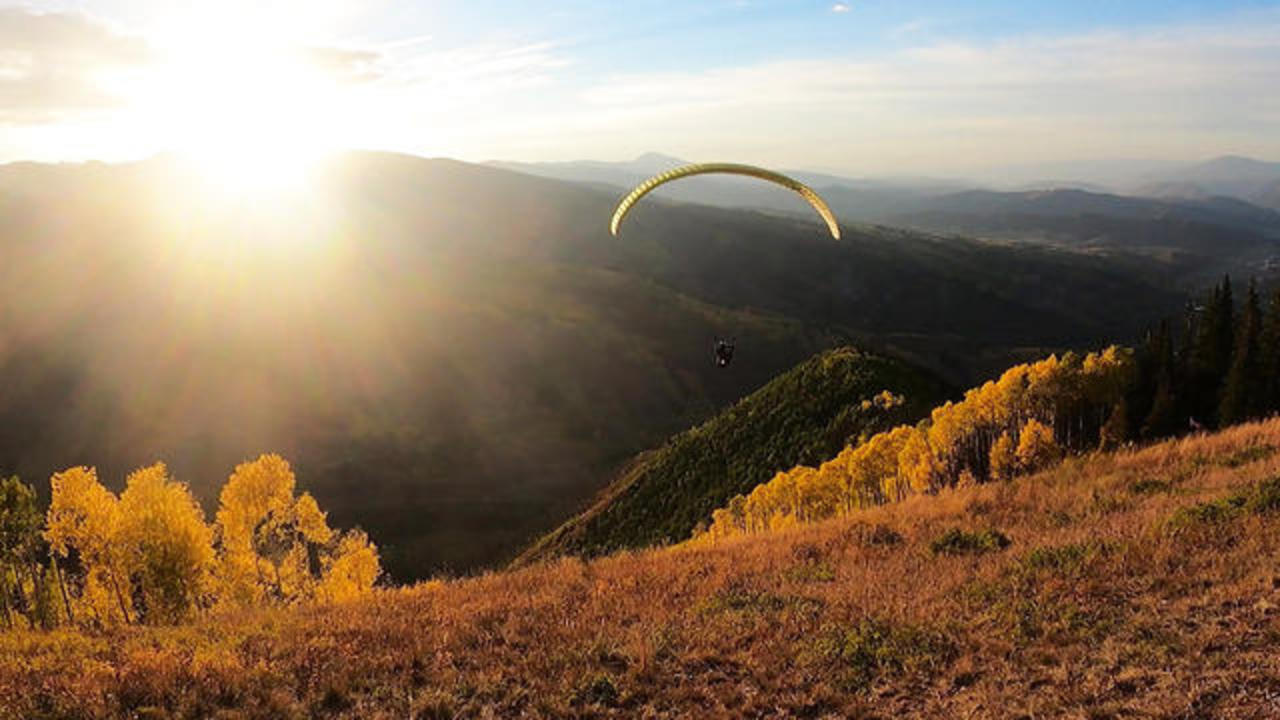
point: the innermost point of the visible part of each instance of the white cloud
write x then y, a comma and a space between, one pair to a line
1174, 91
49, 64
840, 7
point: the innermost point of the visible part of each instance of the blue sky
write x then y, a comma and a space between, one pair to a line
861, 86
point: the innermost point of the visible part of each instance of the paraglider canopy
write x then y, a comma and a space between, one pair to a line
733, 169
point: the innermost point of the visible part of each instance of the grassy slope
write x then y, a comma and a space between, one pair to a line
1099, 607
802, 417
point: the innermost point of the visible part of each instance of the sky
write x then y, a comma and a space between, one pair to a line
1085, 88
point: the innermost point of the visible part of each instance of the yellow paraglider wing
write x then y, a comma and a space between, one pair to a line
734, 169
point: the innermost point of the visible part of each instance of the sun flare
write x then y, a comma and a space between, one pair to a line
253, 112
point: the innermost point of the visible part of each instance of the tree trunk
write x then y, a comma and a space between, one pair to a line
37, 590
4, 598
115, 585
26, 606
62, 585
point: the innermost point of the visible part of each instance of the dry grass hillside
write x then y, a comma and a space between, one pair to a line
1142, 584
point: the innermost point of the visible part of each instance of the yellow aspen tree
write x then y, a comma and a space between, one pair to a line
85, 516
253, 506
163, 526
1004, 459
272, 545
1036, 446
916, 464
352, 569
819, 491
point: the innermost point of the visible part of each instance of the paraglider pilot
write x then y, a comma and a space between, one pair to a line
724, 353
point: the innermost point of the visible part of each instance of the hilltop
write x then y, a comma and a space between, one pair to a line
1136, 583
803, 416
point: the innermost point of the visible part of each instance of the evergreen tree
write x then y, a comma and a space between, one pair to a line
1269, 358
1240, 393
1211, 353
1163, 413
1149, 363
19, 540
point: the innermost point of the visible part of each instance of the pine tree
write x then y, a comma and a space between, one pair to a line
19, 539
1269, 358
1240, 393
1163, 411
1211, 354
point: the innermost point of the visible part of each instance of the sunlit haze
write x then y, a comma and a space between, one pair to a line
258, 91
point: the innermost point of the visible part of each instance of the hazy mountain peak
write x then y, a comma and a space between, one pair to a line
1233, 175
657, 162
1233, 167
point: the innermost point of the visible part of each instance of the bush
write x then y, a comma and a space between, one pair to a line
873, 647
958, 542
1062, 559
1206, 514
1265, 498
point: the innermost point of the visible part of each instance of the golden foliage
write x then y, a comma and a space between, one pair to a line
998, 430
1036, 446
84, 516
149, 556
1004, 459
268, 537
170, 547
352, 569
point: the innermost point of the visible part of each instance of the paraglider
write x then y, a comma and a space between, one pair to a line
724, 348
733, 169
724, 353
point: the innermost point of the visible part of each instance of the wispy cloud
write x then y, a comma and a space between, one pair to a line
840, 7
345, 64
1168, 90
49, 63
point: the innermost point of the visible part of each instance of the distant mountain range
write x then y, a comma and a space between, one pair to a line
1227, 223
1251, 180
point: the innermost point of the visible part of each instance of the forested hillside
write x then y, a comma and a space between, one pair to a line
806, 414
457, 358
1225, 371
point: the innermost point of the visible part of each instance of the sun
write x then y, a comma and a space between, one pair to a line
250, 110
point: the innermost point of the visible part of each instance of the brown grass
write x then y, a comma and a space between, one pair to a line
1099, 608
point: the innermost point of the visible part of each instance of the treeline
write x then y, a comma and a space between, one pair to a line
1218, 366
148, 555
1223, 368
